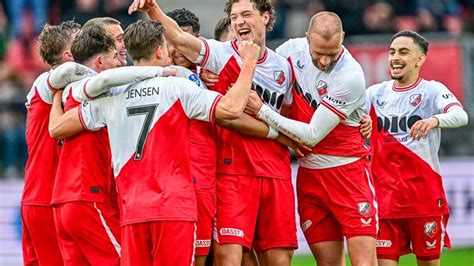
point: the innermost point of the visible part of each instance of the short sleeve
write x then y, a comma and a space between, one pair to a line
346, 95
215, 54
92, 114
197, 103
368, 98
445, 99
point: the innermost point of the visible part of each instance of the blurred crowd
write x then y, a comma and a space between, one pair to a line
22, 20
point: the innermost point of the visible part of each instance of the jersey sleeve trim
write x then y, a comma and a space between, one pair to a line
81, 118
206, 53
53, 89
85, 91
341, 115
212, 111
451, 105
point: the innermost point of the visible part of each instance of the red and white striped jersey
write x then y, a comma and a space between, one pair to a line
236, 153
406, 171
148, 128
202, 145
43, 151
84, 171
341, 90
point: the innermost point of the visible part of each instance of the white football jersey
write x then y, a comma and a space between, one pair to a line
342, 90
148, 127
397, 109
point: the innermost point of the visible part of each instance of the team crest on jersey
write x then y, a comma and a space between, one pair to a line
279, 77
322, 88
431, 229
194, 78
364, 208
415, 99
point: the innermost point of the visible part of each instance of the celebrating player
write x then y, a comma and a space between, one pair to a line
255, 196
38, 232
410, 113
335, 194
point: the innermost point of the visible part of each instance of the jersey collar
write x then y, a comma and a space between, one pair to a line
406, 88
236, 49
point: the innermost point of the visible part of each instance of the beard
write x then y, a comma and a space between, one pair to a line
396, 77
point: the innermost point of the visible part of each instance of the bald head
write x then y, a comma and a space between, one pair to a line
325, 24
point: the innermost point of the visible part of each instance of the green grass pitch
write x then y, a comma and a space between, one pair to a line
453, 257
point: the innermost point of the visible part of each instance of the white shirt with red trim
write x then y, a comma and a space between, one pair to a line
237, 153
148, 127
341, 90
407, 171
43, 151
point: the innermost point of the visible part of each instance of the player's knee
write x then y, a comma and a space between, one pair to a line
278, 256
228, 254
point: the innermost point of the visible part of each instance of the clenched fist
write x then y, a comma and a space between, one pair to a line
249, 51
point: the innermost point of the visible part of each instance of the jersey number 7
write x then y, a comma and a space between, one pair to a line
149, 112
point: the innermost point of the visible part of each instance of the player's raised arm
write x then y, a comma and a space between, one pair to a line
232, 104
184, 42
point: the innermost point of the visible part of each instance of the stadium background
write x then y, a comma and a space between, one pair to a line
448, 24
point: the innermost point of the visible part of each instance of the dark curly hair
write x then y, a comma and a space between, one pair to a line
184, 18
261, 5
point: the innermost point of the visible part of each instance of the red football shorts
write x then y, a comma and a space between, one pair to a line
39, 239
206, 205
424, 236
88, 233
337, 201
255, 210
158, 243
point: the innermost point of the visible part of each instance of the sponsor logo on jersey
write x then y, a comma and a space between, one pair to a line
383, 243
322, 88
334, 100
299, 65
415, 99
448, 95
85, 103
396, 124
272, 99
379, 103
231, 232
202, 243
306, 225
364, 208
279, 77
307, 97
366, 222
194, 78
431, 245
431, 228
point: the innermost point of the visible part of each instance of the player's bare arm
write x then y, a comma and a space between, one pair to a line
455, 117
184, 42
65, 124
365, 126
232, 104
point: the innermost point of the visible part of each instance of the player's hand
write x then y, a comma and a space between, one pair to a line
421, 128
249, 52
141, 5
300, 151
365, 126
209, 78
170, 71
253, 104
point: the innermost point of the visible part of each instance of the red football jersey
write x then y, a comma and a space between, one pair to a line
148, 128
406, 171
85, 168
237, 153
43, 151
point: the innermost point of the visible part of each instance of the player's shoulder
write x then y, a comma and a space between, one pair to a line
292, 46
380, 87
433, 85
276, 59
42, 79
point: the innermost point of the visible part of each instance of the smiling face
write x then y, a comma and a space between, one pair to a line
405, 59
116, 32
248, 23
